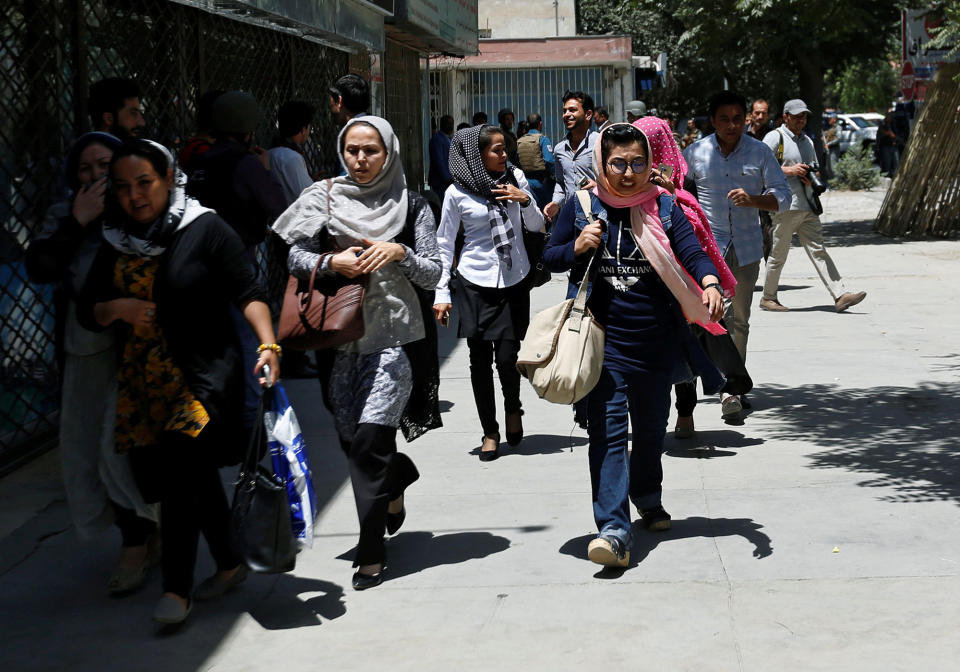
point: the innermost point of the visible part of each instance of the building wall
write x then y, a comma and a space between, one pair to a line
508, 19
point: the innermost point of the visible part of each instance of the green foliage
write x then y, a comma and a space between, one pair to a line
948, 34
775, 49
861, 86
855, 170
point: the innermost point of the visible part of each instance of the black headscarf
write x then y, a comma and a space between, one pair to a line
469, 173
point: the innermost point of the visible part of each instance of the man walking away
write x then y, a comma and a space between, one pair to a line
735, 177
635, 109
794, 151
506, 119
887, 146
573, 156
535, 158
287, 163
349, 98
479, 119
439, 177
601, 118
114, 107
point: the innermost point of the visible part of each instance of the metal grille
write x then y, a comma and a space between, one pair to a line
532, 90
401, 83
50, 52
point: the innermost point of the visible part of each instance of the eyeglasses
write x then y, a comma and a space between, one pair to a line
619, 166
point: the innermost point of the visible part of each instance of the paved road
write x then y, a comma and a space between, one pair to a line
821, 534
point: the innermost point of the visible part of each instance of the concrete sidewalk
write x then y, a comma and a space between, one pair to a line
821, 534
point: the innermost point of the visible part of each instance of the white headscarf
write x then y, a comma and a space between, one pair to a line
376, 210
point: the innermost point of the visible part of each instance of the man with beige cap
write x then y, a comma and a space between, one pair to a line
794, 150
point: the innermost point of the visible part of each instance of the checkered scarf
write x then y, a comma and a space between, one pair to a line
469, 174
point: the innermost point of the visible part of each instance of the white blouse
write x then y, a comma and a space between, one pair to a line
478, 261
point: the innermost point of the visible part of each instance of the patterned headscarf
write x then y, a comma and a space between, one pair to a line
469, 173
181, 210
664, 150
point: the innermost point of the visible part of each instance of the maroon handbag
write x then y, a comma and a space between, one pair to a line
325, 314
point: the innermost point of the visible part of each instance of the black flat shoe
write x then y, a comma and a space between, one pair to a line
513, 438
364, 581
489, 455
395, 520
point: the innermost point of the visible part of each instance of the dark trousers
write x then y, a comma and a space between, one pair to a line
379, 474
191, 501
686, 398
134, 530
482, 354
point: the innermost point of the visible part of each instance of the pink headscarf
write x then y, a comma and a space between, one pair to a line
664, 149
645, 222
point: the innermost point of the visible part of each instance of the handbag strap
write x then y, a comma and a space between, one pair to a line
249, 465
580, 303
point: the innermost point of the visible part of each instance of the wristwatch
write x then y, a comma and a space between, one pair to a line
714, 284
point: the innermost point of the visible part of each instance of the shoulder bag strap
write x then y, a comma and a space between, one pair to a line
580, 303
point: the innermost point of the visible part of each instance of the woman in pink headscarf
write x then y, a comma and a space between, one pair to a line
649, 277
665, 152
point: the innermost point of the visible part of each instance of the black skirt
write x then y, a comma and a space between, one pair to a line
491, 313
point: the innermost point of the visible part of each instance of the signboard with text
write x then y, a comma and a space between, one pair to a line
920, 59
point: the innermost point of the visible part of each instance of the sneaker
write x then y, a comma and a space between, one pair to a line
609, 551
213, 587
773, 305
684, 428
848, 299
656, 519
730, 407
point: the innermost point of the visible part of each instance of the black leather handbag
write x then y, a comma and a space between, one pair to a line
260, 527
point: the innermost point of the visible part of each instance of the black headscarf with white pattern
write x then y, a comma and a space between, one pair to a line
469, 173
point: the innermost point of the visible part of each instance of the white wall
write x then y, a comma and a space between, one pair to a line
513, 19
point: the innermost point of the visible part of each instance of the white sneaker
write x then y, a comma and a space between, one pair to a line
730, 407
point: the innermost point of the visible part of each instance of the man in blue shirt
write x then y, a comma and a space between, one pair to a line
439, 177
736, 176
535, 156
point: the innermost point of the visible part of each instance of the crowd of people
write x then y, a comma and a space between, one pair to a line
169, 336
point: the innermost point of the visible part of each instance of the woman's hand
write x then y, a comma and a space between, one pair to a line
441, 311
378, 254
346, 263
659, 178
270, 358
589, 238
713, 300
135, 312
508, 192
88, 204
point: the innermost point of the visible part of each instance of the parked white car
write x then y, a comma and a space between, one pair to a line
854, 129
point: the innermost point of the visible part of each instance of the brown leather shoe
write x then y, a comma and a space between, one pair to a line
848, 299
773, 306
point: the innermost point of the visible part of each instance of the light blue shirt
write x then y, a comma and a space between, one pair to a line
752, 167
571, 164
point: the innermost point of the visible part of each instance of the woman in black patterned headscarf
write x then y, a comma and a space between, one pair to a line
490, 200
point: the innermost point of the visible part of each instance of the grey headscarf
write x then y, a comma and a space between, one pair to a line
376, 210
181, 211
469, 173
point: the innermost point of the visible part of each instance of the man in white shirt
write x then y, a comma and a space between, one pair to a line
795, 152
287, 164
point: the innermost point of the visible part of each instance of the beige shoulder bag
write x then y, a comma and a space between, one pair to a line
562, 354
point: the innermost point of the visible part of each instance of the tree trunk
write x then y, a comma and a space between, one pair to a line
811, 91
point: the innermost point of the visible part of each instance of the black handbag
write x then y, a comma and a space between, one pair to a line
260, 528
535, 242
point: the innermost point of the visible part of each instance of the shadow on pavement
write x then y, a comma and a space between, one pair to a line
684, 528
283, 608
413, 552
854, 234
539, 444
709, 441
903, 438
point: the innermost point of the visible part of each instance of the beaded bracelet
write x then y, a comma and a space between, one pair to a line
270, 346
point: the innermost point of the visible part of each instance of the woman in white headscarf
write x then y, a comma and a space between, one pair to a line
492, 201
390, 376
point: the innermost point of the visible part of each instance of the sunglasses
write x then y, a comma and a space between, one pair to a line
619, 166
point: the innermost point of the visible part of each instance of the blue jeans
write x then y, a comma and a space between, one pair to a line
615, 483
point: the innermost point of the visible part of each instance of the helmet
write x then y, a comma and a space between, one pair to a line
235, 112
637, 108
